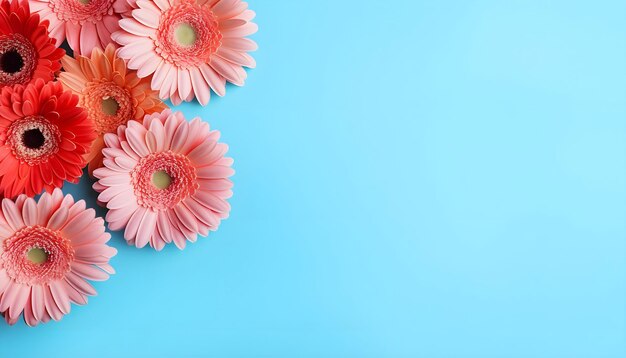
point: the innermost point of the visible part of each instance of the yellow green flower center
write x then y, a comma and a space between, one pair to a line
161, 180
185, 34
37, 255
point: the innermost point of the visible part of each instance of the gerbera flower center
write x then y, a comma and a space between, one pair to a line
162, 180
11, 61
185, 34
17, 59
188, 34
79, 11
36, 255
108, 105
33, 139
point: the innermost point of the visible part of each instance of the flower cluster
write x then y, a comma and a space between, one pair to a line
102, 107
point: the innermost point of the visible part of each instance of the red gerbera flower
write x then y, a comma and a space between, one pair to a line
44, 136
27, 52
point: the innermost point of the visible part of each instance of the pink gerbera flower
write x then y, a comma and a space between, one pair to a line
48, 251
191, 46
86, 24
164, 180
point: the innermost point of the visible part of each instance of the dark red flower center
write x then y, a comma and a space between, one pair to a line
11, 61
17, 60
33, 139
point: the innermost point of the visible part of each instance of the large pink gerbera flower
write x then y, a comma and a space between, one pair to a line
85, 23
48, 251
191, 46
165, 180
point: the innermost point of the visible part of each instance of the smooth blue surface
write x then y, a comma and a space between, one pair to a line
414, 178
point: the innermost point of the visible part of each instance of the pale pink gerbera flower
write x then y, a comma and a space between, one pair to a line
48, 251
86, 24
164, 180
191, 46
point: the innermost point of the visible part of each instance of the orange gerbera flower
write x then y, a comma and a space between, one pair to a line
111, 94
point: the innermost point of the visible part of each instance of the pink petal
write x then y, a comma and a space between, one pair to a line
88, 38
37, 302
184, 83
12, 215
29, 212
200, 87
238, 58
89, 272
135, 27
156, 128
60, 297
51, 306
146, 229
133, 224
229, 8
78, 223
80, 284
217, 82
147, 17
162, 4
212, 201
137, 143
186, 218
113, 180
215, 172
149, 66
248, 29
58, 219
239, 44
180, 136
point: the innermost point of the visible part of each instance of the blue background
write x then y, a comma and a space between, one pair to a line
414, 178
